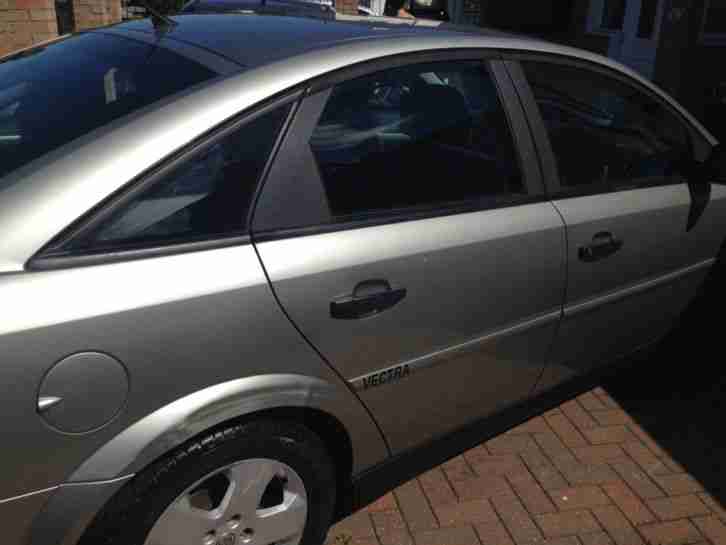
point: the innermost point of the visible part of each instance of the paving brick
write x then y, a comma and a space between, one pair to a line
476, 454
674, 466
520, 525
398, 537
605, 397
678, 507
531, 493
566, 540
463, 535
437, 487
564, 429
511, 444
354, 530
599, 453
415, 507
534, 425
583, 497
546, 474
637, 480
713, 528
649, 442
344, 539
713, 504
384, 503
509, 464
483, 487
468, 512
679, 483
578, 416
458, 469
611, 417
567, 523
629, 503
553, 447
493, 533
591, 402
578, 473
679, 532
608, 434
387, 522
616, 525
646, 459
598, 538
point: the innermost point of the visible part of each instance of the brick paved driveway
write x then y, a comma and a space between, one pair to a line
585, 473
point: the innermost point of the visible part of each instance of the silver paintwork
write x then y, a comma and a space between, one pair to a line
474, 345
204, 339
490, 290
238, 518
653, 283
173, 424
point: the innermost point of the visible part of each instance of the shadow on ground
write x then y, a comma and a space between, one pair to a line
677, 396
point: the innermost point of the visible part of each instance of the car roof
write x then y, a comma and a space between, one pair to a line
255, 39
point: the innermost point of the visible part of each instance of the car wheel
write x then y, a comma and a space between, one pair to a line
259, 483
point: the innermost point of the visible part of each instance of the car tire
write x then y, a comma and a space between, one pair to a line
137, 509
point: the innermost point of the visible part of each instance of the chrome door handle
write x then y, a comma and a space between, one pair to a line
603, 245
368, 299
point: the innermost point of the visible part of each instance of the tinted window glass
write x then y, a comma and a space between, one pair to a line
715, 17
603, 131
53, 94
205, 197
423, 135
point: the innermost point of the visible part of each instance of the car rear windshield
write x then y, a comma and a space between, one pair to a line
53, 94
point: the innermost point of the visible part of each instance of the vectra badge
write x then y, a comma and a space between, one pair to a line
384, 377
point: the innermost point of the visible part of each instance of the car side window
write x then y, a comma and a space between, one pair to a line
207, 196
418, 136
604, 132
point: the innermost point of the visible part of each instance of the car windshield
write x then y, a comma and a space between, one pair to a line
53, 94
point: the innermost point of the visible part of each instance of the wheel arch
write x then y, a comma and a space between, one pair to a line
325, 408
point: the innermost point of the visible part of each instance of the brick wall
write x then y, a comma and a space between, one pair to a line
93, 13
349, 7
26, 22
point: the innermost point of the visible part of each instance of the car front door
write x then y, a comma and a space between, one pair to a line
636, 254
404, 231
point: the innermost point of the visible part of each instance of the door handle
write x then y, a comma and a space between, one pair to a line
369, 298
603, 244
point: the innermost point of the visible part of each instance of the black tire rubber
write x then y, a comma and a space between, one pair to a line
131, 513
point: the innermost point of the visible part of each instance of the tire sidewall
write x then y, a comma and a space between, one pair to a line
139, 506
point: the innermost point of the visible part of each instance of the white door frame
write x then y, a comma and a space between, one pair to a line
625, 45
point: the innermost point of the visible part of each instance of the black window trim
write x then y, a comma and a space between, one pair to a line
516, 118
541, 137
52, 256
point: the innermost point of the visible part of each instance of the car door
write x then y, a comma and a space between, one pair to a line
637, 253
404, 231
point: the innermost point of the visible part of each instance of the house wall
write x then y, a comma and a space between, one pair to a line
26, 22
349, 7
94, 13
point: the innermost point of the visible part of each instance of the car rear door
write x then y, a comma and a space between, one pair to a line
404, 230
617, 157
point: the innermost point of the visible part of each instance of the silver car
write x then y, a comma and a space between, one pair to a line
256, 270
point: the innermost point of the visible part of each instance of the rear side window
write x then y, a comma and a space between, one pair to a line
419, 136
205, 197
606, 133
54, 94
